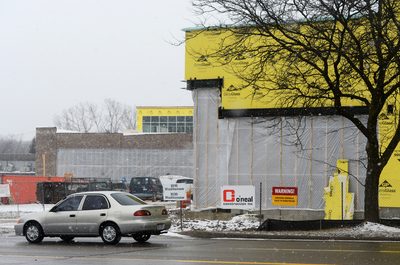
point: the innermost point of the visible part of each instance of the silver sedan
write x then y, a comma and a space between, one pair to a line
109, 214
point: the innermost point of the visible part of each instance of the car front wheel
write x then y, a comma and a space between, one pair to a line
141, 237
110, 234
34, 233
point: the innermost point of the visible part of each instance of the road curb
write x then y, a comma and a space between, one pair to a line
288, 236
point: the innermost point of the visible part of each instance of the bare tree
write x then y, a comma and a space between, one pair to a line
32, 146
316, 53
79, 118
87, 117
112, 116
13, 145
128, 119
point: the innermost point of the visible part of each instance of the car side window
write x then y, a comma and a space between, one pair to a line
95, 202
70, 204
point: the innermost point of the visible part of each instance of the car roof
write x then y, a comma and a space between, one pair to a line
105, 192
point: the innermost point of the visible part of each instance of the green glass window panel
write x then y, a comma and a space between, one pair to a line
189, 128
155, 119
163, 118
181, 118
146, 118
180, 127
171, 118
146, 127
189, 118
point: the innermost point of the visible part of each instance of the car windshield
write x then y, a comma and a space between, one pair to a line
100, 185
187, 181
127, 199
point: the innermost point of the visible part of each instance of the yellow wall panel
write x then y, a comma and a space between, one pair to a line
201, 62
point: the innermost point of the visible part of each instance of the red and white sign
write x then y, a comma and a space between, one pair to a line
238, 197
5, 190
284, 196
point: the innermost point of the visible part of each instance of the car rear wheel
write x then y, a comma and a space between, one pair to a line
110, 234
34, 233
67, 238
141, 237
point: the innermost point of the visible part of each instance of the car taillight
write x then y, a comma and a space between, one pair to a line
130, 189
142, 213
164, 212
151, 188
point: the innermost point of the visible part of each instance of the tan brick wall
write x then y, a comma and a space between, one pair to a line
46, 146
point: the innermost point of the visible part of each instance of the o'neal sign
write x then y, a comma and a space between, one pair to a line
284, 196
238, 197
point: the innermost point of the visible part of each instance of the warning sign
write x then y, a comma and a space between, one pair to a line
284, 196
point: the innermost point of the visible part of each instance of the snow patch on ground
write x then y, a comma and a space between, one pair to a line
237, 223
374, 229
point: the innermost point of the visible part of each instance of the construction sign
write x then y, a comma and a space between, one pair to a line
338, 200
284, 196
175, 191
389, 192
238, 197
5, 190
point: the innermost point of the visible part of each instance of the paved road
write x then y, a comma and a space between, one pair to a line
175, 250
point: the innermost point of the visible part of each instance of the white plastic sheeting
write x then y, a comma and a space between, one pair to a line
124, 163
281, 151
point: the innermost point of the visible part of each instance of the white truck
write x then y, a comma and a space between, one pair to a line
172, 179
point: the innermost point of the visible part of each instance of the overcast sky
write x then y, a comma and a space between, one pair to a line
56, 54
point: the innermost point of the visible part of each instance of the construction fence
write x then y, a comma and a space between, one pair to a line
338, 199
118, 164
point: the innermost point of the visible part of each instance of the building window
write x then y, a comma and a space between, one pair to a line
170, 124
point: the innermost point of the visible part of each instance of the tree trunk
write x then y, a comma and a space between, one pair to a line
371, 200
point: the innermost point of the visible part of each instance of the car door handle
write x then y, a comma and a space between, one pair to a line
102, 214
72, 215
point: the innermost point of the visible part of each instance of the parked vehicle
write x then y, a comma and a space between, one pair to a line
52, 192
94, 186
146, 188
108, 214
185, 180
120, 187
171, 179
